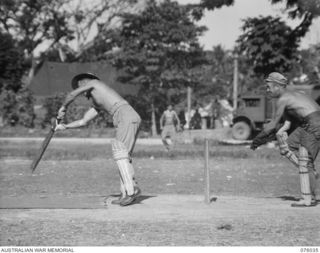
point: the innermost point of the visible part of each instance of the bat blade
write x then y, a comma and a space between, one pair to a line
41, 151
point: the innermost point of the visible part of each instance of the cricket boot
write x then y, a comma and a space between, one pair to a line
130, 199
118, 201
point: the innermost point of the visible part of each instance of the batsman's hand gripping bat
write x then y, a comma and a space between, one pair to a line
44, 145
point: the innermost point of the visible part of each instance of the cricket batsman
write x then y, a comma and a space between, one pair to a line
167, 126
301, 147
125, 119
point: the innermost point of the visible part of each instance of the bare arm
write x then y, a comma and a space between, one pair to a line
269, 132
177, 118
72, 95
281, 105
285, 127
161, 121
88, 116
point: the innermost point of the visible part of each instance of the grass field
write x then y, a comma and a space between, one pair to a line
253, 190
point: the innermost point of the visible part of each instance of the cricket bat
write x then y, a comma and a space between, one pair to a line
44, 146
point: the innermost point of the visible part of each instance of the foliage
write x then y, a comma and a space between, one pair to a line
75, 112
306, 10
32, 22
269, 44
52, 105
11, 63
160, 49
99, 15
17, 108
35, 24
198, 9
16, 101
219, 76
299, 8
58, 53
103, 46
308, 64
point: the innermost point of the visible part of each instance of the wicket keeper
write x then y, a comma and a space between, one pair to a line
301, 147
125, 119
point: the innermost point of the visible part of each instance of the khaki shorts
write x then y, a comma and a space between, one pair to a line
126, 121
168, 131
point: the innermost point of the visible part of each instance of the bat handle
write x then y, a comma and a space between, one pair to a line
56, 122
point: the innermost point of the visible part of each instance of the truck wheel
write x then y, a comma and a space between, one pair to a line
241, 131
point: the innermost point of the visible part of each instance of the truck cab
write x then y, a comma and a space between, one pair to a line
255, 109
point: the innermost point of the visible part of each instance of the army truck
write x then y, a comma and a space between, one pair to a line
255, 109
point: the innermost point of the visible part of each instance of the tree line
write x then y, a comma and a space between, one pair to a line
153, 43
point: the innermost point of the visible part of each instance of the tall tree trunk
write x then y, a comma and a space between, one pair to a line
189, 93
235, 82
31, 72
153, 121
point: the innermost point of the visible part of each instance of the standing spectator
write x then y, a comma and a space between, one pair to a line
216, 113
226, 112
196, 120
182, 118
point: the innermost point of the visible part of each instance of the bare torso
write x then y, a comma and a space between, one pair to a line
103, 97
294, 105
297, 104
169, 117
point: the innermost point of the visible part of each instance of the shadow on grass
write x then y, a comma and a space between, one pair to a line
138, 200
288, 198
142, 198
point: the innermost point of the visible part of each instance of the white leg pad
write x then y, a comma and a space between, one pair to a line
122, 188
284, 149
304, 174
121, 156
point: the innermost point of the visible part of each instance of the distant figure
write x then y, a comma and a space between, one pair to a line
167, 125
216, 111
196, 120
226, 112
182, 118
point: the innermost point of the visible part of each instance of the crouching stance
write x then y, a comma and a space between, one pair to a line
301, 147
125, 119
293, 148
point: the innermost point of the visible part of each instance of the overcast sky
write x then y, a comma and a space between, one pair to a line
224, 24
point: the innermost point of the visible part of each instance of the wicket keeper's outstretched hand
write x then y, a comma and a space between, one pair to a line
263, 138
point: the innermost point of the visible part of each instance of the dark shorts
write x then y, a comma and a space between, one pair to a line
307, 135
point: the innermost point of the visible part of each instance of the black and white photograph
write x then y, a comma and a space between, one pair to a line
159, 124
